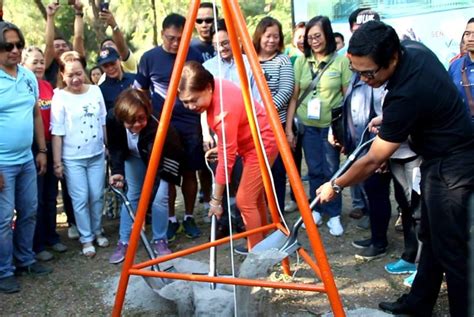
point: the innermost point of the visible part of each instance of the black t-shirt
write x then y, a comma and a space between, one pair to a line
206, 49
422, 104
51, 73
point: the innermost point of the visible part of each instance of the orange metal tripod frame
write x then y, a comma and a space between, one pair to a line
155, 158
231, 8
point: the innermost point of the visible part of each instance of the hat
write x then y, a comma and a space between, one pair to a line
5, 26
107, 55
366, 16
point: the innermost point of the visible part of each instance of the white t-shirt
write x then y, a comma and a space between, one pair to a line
80, 120
132, 140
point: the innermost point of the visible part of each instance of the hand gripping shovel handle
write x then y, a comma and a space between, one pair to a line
293, 236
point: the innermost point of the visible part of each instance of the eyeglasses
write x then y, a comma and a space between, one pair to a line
316, 37
10, 46
171, 38
369, 74
223, 44
207, 20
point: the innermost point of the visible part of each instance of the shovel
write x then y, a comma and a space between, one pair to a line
289, 244
154, 283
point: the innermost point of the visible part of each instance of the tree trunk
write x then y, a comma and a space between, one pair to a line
155, 27
42, 9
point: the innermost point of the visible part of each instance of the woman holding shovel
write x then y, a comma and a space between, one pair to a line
199, 92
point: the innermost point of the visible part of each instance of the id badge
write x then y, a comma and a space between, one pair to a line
314, 109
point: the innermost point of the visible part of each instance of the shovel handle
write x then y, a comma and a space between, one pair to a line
212, 252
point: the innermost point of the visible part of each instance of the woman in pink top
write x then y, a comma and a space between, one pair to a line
199, 92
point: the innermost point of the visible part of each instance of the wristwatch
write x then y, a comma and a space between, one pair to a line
337, 189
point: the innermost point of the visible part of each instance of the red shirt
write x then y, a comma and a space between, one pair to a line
237, 129
45, 96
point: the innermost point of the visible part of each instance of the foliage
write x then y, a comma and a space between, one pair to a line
135, 18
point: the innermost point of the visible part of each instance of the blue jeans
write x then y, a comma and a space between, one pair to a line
135, 171
322, 160
358, 197
85, 182
19, 193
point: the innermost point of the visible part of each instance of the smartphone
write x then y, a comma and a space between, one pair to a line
69, 2
104, 6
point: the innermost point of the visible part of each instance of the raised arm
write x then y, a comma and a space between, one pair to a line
78, 42
117, 35
49, 37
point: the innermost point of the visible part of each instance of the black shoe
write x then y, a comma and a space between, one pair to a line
190, 229
371, 253
173, 229
399, 307
242, 250
362, 244
9, 285
34, 269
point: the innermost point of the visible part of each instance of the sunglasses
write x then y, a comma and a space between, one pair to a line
10, 46
369, 74
207, 20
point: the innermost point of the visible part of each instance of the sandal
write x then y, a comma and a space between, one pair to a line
102, 241
88, 250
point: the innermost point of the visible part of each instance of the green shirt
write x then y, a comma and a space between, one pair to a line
328, 90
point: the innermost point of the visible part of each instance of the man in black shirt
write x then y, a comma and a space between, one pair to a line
422, 105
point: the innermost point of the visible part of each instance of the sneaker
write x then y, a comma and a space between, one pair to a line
400, 267
370, 253
364, 223
173, 229
72, 232
356, 213
290, 206
102, 241
362, 244
190, 229
335, 227
59, 247
160, 247
119, 254
242, 250
44, 256
34, 269
409, 280
9, 285
318, 220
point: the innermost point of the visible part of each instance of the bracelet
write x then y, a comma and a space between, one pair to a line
215, 198
115, 28
80, 14
215, 206
44, 150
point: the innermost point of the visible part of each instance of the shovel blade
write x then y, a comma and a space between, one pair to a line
274, 241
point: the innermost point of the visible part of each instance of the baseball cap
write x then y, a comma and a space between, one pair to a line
366, 16
107, 55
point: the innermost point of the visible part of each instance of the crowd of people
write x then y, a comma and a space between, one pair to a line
89, 122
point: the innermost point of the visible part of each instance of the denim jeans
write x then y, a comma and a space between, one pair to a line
135, 171
358, 198
45, 232
323, 161
20, 194
85, 182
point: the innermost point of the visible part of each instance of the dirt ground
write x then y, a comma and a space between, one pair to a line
79, 286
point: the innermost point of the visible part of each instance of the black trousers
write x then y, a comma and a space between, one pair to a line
447, 184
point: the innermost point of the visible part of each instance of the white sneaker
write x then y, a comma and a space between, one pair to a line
318, 220
72, 232
290, 206
335, 227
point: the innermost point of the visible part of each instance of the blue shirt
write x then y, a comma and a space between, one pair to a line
154, 74
206, 50
228, 70
456, 74
18, 97
112, 87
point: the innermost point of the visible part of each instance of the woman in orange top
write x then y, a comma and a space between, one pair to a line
199, 92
